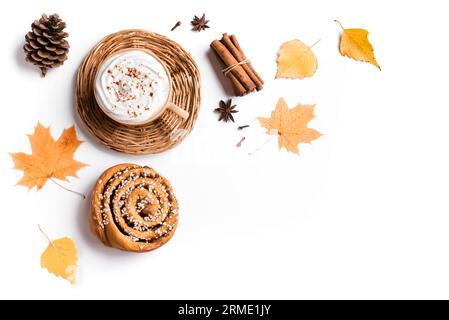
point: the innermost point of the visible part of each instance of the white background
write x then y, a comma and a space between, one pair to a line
361, 213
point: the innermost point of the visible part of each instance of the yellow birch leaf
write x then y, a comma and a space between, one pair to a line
60, 258
296, 61
354, 44
290, 125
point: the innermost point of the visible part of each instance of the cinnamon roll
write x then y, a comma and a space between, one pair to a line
133, 208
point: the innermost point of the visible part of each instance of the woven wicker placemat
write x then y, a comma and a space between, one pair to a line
161, 134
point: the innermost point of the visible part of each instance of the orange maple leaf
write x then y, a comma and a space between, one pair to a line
291, 125
49, 159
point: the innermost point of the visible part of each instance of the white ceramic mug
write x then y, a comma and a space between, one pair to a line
107, 106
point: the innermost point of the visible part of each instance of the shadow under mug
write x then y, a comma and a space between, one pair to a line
168, 105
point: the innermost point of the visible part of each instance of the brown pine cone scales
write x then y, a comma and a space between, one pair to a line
45, 45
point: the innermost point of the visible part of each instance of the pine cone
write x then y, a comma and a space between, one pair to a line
46, 46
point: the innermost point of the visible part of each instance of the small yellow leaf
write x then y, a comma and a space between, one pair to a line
296, 61
60, 258
291, 125
354, 44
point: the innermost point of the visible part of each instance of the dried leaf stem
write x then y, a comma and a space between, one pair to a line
45, 235
262, 145
313, 45
67, 189
339, 23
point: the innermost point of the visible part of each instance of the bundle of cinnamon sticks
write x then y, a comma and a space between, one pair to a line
236, 66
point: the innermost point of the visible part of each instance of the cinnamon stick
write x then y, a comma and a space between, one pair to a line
237, 45
237, 67
230, 61
240, 56
239, 89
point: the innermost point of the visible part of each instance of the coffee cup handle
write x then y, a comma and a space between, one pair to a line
179, 111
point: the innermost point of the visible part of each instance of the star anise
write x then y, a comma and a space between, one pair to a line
226, 110
199, 24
